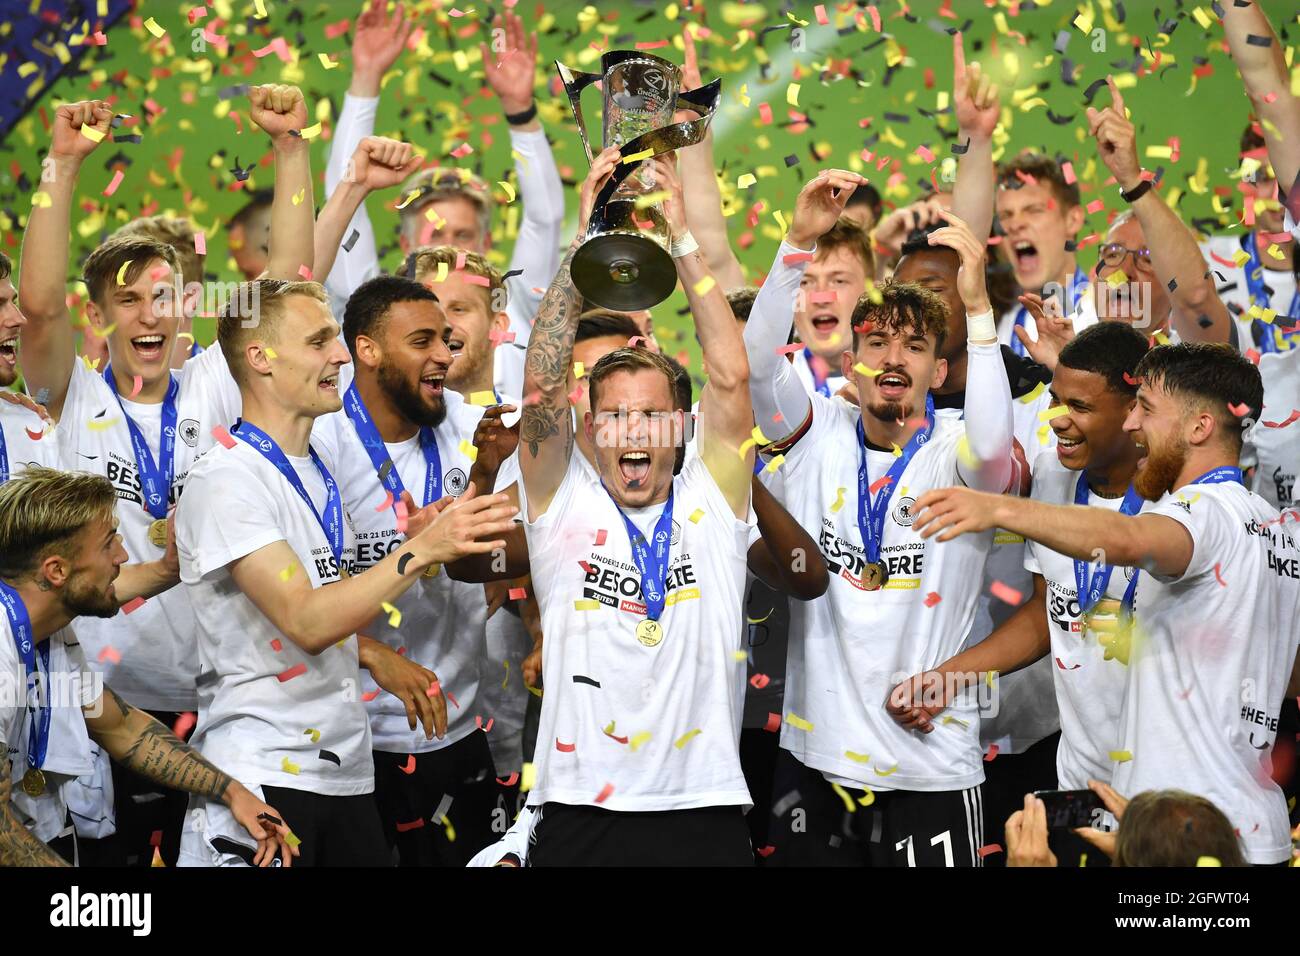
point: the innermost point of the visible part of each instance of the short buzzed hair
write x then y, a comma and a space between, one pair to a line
368, 306
742, 301
100, 271
1112, 350
268, 299
43, 509
1211, 372
847, 234
602, 323
903, 306
6, 267
442, 182
426, 259
1013, 174
176, 232
630, 360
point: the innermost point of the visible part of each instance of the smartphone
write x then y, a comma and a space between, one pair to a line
1067, 809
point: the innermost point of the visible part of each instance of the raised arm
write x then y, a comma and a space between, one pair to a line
726, 413
317, 618
140, 743
1198, 313
281, 111
1151, 542
975, 101
786, 557
703, 197
546, 426
48, 348
377, 163
987, 462
512, 76
1264, 70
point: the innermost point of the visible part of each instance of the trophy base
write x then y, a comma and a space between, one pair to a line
623, 272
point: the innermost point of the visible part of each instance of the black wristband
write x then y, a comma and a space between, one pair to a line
519, 119
1137, 192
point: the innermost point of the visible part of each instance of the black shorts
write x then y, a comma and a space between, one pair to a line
813, 826
566, 835
335, 831
458, 782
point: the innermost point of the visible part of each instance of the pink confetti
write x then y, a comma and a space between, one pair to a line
789, 349
369, 695
518, 594
184, 723
386, 503
478, 722
305, 272
925, 154
197, 13
1006, 594
880, 483
452, 698
510, 780
1095, 206
34, 436
277, 645
473, 279
200, 243
875, 18
991, 753
932, 599
565, 748
575, 394
413, 825
400, 508
759, 681
1295, 414
1219, 577
279, 46
773, 723
600, 536
821, 298
110, 653
335, 30
295, 671
765, 851
409, 766
132, 605
586, 567
223, 436
1239, 410
650, 45
1061, 664
989, 850
1068, 169
137, 383
796, 257
463, 150
605, 791
499, 337
117, 181
765, 113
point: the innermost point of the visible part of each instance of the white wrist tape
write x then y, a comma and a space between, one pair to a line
683, 245
982, 327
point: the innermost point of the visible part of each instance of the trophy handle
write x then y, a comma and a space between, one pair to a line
703, 100
575, 81
662, 140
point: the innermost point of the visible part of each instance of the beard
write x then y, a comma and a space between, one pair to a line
466, 368
83, 599
892, 412
413, 405
1156, 478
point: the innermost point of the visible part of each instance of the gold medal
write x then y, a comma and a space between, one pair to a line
33, 782
649, 633
158, 533
875, 574
431, 571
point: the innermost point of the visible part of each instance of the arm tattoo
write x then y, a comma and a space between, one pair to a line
546, 369
122, 705
18, 845
159, 756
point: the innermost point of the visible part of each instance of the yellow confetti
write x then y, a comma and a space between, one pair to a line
121, 273
299, 196
326, 62
1208, 861
644, 154
869, 372
1038, 390
898, 452
527, 777
859, 758
774, 464
288, 767
650, 199
313, 733
460, 60
639, 740
838, 503
408, 199
1056, 411
1275, 251
1043, 432
989, 677
1160, 152
291, 838
508, 189
451, 831
92, 134
798, 723
394, 615
99, 425
505, 679
1121, 756
311, 132
287, 573
41, 199
792, 94
739, 656
261, 9
696, 515
579, 370
686, 738
482, 398
152, 26
705, 285
745, 180
885, 773
949, 719
270, 353
844, 795
586, 604
468, 450
868, 798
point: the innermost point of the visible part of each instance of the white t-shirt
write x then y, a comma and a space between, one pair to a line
1276, 451
443, 621
1089, 688
158, 662
71, 685
256, 722
803, 368
850, 647
659, 724
1230, 282
20, 450
1210, 662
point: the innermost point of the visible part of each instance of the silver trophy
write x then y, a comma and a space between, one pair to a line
624, 263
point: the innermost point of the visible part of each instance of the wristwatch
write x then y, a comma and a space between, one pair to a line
1137, 192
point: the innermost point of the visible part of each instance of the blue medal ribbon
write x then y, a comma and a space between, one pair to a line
385, 467
155, 482
651, 562
1217, 476
1080, 286
4, 459
872, 511
1091, 586
331, 521
20, 623
1254, 269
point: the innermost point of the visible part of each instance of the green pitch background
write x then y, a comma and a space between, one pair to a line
846, 72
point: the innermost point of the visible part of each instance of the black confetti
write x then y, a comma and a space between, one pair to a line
959, 149
385, 469
230, 92
1173, 284
1060, 120
1255, 39
1071, 245
583, 679
898, 118
1062, 41
133, 138
402, 562
791, 160
1092, 89
332, 757
351, 240
511, 273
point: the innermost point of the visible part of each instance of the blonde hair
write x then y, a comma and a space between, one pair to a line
43, 509
442, 182
176, 232
425, 260
263, 301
